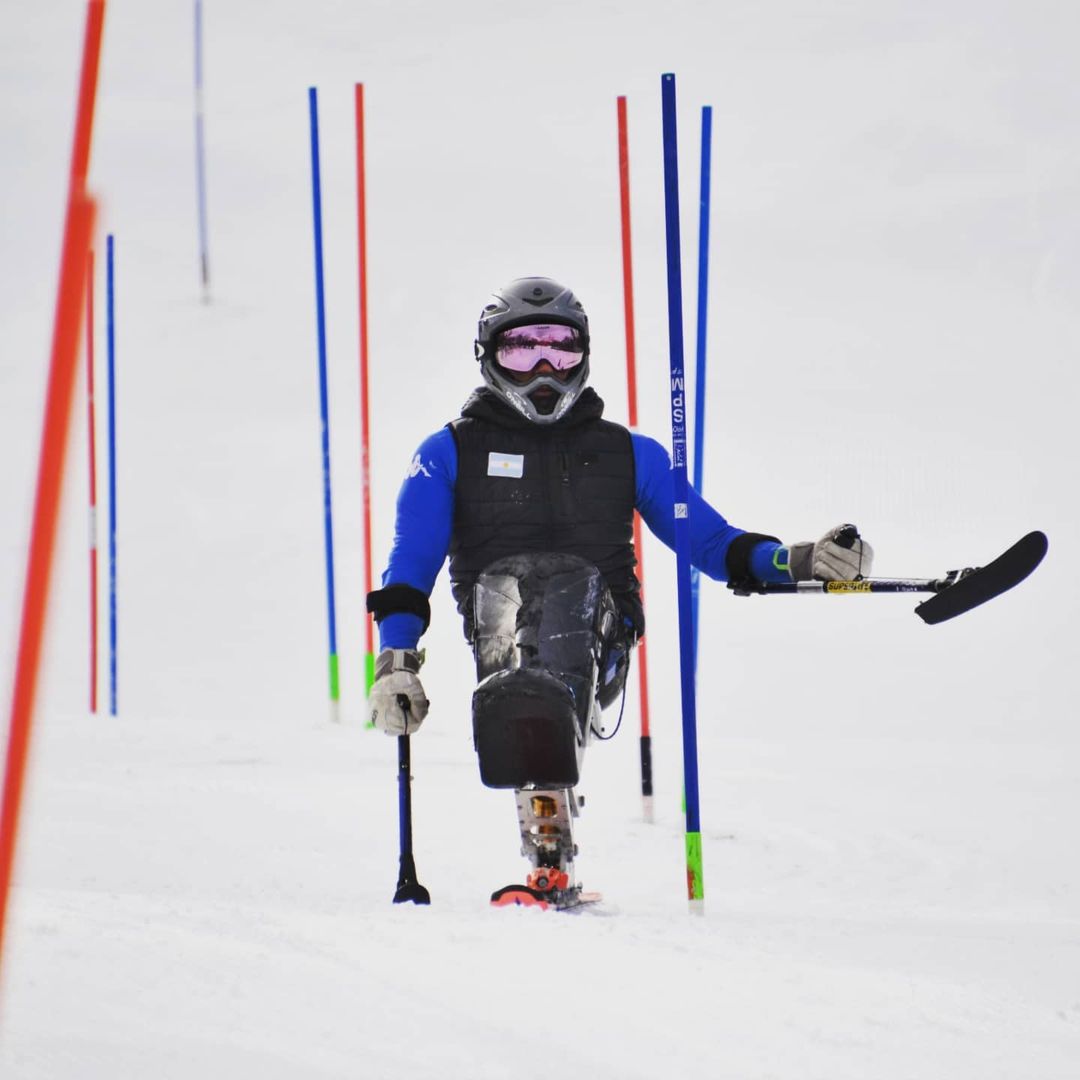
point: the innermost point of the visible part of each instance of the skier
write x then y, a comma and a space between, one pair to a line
532, 493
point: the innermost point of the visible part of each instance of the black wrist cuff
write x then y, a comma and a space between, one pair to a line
738, 558
399, 600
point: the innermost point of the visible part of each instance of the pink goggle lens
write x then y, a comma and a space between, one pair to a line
523, 347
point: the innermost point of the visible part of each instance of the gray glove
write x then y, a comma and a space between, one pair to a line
840, 555
397, 701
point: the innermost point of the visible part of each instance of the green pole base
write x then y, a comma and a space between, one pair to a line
335, 686
695, 879
335, 689
369, 680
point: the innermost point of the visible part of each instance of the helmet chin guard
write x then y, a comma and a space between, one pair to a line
522, 302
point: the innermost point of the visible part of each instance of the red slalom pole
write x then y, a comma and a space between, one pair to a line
63, 364
43, 531
84, 117
91, 431
631, 390
365, 421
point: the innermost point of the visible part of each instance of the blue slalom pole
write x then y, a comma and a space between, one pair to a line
200, 156
695, 885
110, 337
699, 374
324, 399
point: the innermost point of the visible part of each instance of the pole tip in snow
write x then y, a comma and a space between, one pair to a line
412, 892
409, 890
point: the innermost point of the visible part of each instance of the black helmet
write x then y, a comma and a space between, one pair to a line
526, 301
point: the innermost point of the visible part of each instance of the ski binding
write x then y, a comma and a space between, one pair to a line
546, 889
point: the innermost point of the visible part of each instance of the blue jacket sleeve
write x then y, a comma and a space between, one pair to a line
710, 534
425, 518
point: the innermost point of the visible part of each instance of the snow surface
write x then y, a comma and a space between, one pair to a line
203, 886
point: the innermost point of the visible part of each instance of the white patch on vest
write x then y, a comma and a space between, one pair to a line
417, 467
680, 510
506, 465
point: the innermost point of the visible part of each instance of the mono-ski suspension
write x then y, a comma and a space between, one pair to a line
547, 841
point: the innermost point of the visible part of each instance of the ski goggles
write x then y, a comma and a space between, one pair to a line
521, 348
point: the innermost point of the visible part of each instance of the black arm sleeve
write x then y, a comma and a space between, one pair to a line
738, 557
399, 598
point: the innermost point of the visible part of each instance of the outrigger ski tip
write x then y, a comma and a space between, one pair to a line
954, 594
967, 589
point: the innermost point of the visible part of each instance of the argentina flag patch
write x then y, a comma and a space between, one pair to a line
506, 465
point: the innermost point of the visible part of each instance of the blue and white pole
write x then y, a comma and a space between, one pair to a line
110, 338
324, 400
200, 157
695, 885
699, 371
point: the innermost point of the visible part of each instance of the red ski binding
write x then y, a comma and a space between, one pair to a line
545, 888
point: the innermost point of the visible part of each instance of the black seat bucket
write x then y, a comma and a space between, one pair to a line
525, 730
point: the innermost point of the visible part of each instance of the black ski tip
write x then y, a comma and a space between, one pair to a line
411, 892
1039, 544
1006, 571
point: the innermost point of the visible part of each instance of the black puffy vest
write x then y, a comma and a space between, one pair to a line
575, 495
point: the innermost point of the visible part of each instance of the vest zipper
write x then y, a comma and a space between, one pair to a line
549, 509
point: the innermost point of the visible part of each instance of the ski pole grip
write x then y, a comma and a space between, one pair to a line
405, 705
846, 536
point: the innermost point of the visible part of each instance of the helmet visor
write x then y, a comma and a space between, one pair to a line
522, 348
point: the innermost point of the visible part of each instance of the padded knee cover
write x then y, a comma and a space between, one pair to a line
526, 730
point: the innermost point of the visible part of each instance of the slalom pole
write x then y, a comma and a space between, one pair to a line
91, 440
365, 415
200, 157
324, 400
695, 885
66, 327
110, 338
63, 364
699, 373
631, 393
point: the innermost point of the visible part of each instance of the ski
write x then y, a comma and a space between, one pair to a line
956, 593
572, 898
